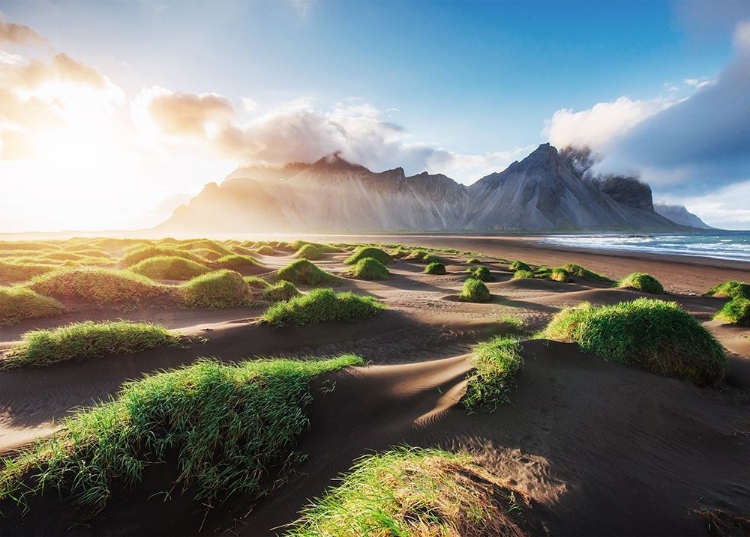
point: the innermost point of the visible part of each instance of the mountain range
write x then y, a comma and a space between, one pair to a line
549, 190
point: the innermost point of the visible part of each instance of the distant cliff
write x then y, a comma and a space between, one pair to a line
681, 216
546, 191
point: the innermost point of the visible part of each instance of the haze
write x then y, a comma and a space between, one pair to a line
112, 114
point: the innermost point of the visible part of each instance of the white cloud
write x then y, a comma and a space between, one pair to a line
600, 124
726, 208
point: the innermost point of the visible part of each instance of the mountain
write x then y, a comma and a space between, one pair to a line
681, 216
546, 191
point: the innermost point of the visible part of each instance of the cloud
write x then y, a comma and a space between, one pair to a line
32, 73
700, 143
20, 34
298, 132
187, 114
726, 208
601, 123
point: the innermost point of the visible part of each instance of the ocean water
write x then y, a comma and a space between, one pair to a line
734, 245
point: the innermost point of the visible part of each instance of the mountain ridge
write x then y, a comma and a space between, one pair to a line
549, 190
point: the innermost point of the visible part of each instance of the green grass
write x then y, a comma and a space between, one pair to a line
206, 244
169, 268
399, 253
435, 268
238, 262
265, 250
369, 268
12, 271
413, 492
280, 292
496, 363
255, 283
520, 265
417, 255
559, 275
431, 258
736, 311
225, 425
516, 325
641, 282
473, 261
522, 274
101, 286
304, 272
18, 303
141, 253
219, 289
367, 251
321, 306
578, 270
731, 289
480, 273
309, 252
474, 291
650, 334
85, 341
207, 255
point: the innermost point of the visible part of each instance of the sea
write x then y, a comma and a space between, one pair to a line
732, 245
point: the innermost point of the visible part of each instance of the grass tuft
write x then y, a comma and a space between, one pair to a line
224, 424
220, 289
18, 303
641, 282
13, 271
480, 273
85, 341
169, 268
413, 492
496, 362
238, 262
435, 268
320, 306
650, 334
473, 261
522, 274
520, 265
736, 311
731, 289
101, 286
280, 292
255, 283
474, 291
265, 250
303, 272
369, 268
578, 270
375, 253
141, 253
310, 252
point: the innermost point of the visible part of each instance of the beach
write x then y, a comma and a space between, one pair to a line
599, 447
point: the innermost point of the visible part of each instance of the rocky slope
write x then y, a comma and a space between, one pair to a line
548, 190
680, 216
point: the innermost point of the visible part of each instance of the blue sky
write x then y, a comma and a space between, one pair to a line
468, 87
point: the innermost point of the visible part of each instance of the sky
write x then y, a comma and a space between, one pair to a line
113, 113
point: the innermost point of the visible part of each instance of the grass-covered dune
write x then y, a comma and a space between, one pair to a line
206, 244
219, 289
369, 268
474, 291
650, 334
240, 263
520, 265
736, 311
169, 268
641, 281
265, 250
221, 426
85, 341
414, 492
584, 273
480, 273
496, 363
101, 286
367, 251
141, 253
731, 289
310, 252
304, 272
15, 271
435, 268
320, 306
18, 303
280, 292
